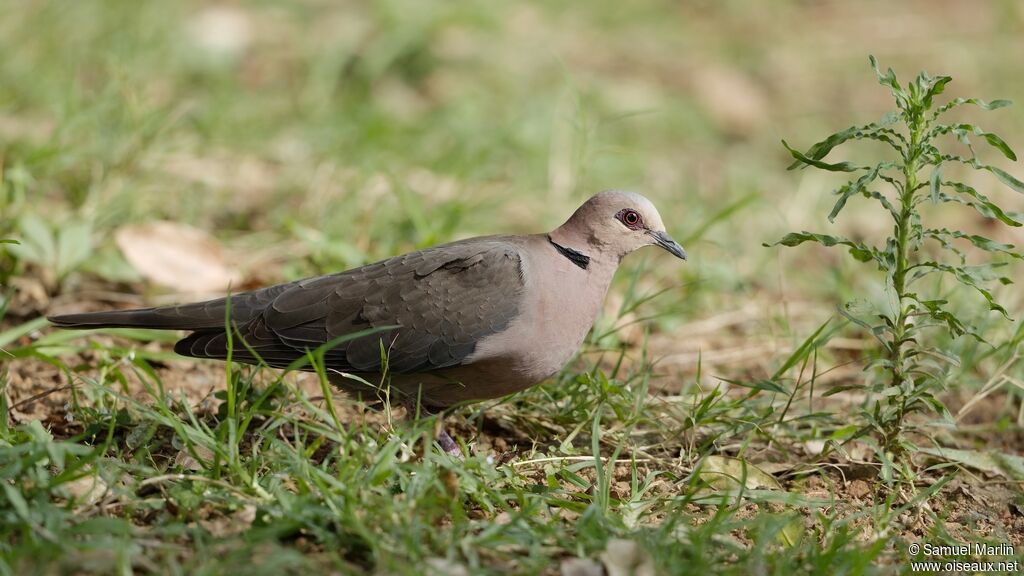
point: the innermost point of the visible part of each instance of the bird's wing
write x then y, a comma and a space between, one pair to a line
440, 302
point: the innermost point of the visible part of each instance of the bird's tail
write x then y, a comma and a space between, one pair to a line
211, 314
188, 317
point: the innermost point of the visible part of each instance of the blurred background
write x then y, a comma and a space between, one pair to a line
291, 139
158, 152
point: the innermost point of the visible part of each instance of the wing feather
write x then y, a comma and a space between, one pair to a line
442, 301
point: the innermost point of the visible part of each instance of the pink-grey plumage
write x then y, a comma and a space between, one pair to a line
470, 320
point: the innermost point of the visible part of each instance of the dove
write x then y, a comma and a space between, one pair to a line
470, 320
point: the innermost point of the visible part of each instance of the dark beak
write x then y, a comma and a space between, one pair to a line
665, 241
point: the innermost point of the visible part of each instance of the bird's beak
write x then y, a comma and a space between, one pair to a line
665, 241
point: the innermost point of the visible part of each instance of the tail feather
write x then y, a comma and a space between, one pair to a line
198, 316
157, 318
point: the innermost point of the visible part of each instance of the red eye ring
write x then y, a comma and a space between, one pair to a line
630, 218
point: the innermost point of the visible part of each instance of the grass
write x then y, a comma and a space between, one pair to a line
693, 433
278, 476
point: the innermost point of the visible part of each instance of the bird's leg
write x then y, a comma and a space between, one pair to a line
447, 443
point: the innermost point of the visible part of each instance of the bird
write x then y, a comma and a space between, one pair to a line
470, 320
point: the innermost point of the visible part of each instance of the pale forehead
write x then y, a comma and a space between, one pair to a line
625, 199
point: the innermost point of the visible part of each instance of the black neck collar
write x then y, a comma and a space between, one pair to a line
576, 257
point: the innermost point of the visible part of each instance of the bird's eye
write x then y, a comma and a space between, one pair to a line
631, 218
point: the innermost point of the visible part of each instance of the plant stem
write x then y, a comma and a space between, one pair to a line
903, 225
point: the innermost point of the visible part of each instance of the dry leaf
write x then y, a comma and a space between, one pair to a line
85, 490
238, 522
792, 532
814, 447
992, 461
626, 558
725, 473
444, 567
176, 256
185, 459
581, 567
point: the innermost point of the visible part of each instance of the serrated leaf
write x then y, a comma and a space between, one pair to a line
993, 105
1006, 178
850, 313
935, 182
934, 87
889, 79
884, 202
986, 244
857, 250
937, 313
838, 167
855, 187
968, 277
821, 149
961, 131
981, 203
998, 143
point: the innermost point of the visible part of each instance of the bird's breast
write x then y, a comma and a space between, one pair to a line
558, 310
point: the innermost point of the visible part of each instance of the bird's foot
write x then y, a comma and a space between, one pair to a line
448, 444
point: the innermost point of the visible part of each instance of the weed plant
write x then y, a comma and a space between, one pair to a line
906, 185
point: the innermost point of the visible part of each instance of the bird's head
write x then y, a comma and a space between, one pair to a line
616, 222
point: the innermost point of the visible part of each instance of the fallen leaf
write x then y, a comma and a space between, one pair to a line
1006, 465
238, 522
185, 459
792, 532
176, 256
773, 468
581, 567
85, 490
444, 567
725, 473
626, 558
502, 518
814, 447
